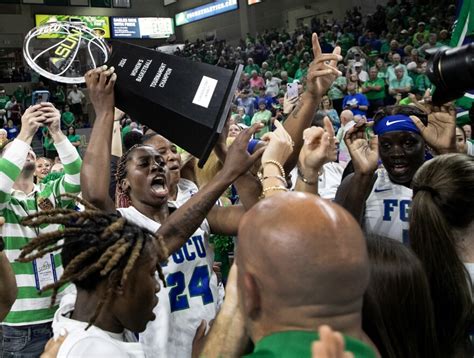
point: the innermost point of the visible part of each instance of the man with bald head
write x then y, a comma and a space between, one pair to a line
347, 122
301, 263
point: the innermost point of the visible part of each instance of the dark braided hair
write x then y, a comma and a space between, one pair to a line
122, 198
94, 244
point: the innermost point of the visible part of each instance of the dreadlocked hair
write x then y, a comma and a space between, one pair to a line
94, 245
122, 198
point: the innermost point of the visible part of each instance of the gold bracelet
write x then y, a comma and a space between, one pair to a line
274, 162
272, 188
279, 177
306, 181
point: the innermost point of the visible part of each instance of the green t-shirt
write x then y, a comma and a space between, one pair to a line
335, 91
264, 117
246, 120
347, 41
372, 94
48, 144
291, 67
300, 73
297, 344
60, 96
249, 68
3, 101
125, 130
19, 95
67, 118
422, 83
74, 138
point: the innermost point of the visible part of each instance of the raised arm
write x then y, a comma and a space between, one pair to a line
355, 188
70, 182
227, 337
14, 156
94, 181
181, 224
313, 156
320, 77
440, 133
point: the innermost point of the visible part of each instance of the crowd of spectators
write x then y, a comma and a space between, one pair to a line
336, 195
385, 57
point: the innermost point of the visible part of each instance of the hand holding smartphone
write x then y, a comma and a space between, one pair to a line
40, 97
292, 90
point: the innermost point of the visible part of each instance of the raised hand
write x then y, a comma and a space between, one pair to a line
289, 103
323, 70
280, 145
364, 153
314, 153
440, 133
238, 159
31, 121
53, 117
100, 82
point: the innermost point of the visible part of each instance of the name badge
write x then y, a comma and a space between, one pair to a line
45, 271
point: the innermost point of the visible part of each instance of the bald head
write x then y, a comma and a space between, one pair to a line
346, 116
301, 252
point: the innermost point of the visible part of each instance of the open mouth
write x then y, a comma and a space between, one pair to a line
158, 185
400, 168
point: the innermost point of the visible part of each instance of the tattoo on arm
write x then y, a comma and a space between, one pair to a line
298, 107
183, 223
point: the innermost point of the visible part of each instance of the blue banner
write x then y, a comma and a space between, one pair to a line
205, 11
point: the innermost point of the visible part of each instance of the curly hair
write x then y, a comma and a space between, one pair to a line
94, 244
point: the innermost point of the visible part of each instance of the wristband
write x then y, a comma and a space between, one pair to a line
306, 181
2, 244
252, 144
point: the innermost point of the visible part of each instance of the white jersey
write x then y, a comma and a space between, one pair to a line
191, 294
387, 208
329, 180
94, 342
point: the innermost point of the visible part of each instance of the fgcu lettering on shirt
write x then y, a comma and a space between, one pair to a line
387, 209
192, 280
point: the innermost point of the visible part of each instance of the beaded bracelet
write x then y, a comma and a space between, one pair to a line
279, 177
274, 162
272, 188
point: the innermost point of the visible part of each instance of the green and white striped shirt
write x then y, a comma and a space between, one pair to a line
30, 307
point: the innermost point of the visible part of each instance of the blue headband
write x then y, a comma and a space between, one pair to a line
397, 122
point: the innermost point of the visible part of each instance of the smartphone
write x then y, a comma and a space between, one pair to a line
292, 90
40, 96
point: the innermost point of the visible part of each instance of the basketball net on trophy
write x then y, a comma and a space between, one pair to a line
149, 84
65, 51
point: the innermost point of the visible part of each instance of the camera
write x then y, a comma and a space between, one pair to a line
451, 70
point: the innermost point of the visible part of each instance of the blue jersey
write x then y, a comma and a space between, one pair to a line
387, 208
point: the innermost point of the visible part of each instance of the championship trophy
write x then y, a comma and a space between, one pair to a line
185, 101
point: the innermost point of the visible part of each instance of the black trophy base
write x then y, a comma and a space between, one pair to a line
187, 102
